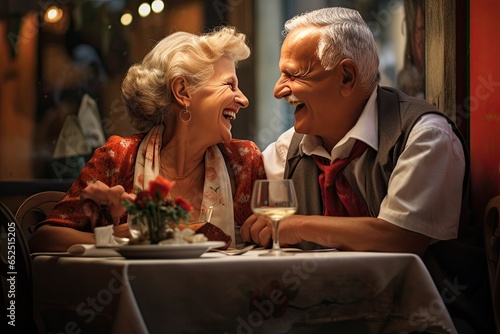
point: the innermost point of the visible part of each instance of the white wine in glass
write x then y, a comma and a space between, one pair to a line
275, 199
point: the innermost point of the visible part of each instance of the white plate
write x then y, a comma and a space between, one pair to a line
167, 251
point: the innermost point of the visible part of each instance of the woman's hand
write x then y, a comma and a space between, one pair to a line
105, 198
121, 231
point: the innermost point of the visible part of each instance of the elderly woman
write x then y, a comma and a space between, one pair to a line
182, 99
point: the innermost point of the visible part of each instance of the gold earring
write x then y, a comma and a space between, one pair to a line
185, 115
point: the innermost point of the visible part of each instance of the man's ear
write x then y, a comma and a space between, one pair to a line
349, 76
180, 91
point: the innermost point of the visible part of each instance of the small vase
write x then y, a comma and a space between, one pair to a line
146, 230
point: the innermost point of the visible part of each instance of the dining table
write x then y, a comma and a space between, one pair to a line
318, 291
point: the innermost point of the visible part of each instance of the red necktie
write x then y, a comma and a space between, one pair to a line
338, 197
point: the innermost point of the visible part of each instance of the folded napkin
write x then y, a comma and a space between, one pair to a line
212, 232
92, 251
105, 244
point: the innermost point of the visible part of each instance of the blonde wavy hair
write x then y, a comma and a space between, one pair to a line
146, 87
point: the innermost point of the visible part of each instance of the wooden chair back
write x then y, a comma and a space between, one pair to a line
36, 208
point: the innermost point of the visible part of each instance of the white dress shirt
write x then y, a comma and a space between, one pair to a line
425, 188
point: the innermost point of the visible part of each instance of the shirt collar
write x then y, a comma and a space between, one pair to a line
365, 129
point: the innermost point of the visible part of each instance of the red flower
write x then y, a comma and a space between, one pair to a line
161, 186
153, 213
142, 199
183, 204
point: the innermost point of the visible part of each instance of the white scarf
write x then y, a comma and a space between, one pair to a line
216, 188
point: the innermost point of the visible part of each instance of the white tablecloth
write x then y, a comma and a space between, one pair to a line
337, 292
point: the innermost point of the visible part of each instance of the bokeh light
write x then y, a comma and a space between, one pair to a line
53, 14
144, 9
157, 6
126, 19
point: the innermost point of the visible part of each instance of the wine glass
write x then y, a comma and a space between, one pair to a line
275, 199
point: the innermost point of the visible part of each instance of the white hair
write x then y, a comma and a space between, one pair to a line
146, 88
343, 34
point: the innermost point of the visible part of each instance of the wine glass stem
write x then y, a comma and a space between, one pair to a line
276, 241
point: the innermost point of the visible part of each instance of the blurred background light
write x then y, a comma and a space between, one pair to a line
144, 9
157, 6
126, 19
53, 14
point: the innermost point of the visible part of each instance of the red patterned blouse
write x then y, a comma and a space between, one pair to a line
113, 164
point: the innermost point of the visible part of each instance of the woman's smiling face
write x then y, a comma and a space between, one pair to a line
216, 104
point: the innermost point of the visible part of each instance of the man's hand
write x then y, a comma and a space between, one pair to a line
257, 229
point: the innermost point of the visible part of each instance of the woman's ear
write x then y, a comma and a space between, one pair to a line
180, 91
349, 76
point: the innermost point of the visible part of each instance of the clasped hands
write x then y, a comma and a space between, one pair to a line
103, 205
257, 229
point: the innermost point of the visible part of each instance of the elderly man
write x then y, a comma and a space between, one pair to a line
377, 170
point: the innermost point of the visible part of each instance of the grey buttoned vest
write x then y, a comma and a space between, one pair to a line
397, 114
